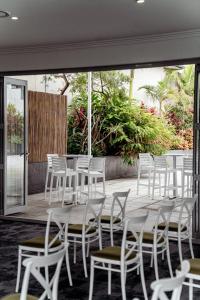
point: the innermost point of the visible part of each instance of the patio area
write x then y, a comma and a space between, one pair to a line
37, 206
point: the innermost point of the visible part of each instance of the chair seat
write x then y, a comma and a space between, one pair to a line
78, 228
17, 297
147, 238
194, 266
106, 219
92, 173
173, 226
113, 253
39, 242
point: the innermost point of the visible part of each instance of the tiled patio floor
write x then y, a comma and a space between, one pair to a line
37, 206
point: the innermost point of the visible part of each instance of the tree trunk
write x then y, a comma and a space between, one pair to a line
132, 75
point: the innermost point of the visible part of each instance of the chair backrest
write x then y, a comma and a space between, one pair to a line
59, 217
187, 163
160, 162
49, 159
174, 285
33, 267
119, 203
163, 217
97, 164
186, 206
145, 160
135, 225
59, 164
83, 162
93, 208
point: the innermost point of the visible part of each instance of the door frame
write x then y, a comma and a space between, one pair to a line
196, 152
187, 61
3, 100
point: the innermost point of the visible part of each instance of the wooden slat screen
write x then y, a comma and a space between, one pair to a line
47, 125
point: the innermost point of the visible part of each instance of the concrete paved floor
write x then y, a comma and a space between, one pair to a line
37, 206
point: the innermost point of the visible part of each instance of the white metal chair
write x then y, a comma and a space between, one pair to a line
174, 285
33, 266
121, 259
187, 176
181, 228
161, 168
145, 166
87, 232
62, 174
193, 276
48, 173
43, 245
156, 242
95, 171
115, 221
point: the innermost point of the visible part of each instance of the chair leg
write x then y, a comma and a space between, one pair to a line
88, 247
143, 279
149, 183
151, 264
155, 262
68, 267
47, 274
183, 184
74, 250
19, 270
46, 185
109, 279
111, 235
58, 184
63, 192
138, 181
154, 181
84, 259
104, 185
169, 259
160, 183
51, 189
165, 184
191, 246
91, 279
122, 273
190, 289
180, 247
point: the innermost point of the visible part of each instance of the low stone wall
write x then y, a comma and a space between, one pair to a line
115, 169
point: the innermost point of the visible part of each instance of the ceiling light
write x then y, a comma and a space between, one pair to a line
4, 14
14, 18
140, 1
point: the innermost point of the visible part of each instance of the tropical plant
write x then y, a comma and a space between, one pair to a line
119, 126
15, 125
177, 86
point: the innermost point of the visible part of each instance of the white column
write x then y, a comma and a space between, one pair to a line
89, 112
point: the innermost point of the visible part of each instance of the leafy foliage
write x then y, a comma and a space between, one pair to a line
119, 127
15, 125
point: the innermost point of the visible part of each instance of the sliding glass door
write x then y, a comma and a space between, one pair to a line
196, 152
14, 146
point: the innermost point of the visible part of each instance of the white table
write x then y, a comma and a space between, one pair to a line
74, 157
174, 155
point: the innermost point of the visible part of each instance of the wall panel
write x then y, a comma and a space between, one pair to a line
47, 125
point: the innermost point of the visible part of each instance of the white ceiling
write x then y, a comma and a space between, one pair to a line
66, 21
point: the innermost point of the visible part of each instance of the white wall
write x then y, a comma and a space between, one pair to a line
166, 47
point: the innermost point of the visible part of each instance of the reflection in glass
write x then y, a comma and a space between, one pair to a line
15, 146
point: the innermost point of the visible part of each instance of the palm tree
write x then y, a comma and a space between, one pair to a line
177, 85
160, 92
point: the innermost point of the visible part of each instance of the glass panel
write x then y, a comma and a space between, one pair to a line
15, 146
